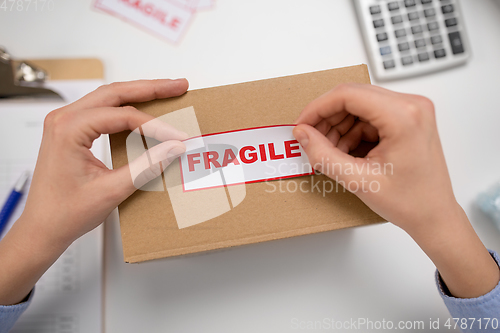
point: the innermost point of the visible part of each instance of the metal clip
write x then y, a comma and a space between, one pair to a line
25, 80
26, 72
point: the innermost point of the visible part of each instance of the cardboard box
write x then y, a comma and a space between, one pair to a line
147, 220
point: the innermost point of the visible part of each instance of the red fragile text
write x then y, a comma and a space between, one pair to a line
154, 12
247, 155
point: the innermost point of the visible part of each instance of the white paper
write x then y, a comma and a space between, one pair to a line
243, 156
68, 297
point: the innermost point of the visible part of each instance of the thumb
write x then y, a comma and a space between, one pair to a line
323, 155
146, 167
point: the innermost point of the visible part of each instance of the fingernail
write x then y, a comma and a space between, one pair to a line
176, 151
301, 137
183, 135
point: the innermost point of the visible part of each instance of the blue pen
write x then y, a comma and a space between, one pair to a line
12, 200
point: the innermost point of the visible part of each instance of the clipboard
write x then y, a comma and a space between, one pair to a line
21, 78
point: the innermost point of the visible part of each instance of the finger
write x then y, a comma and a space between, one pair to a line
360, 131
146, 167
337, 131
352, 138
377, 105
161, 131
119, 93
323, 127
322, 154
337, 118
330, 121
108, 120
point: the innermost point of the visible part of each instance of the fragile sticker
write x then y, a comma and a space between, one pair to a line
241, 157
160, 17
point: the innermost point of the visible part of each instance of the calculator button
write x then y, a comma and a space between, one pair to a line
378, 23
425, 2
416, 29
385, 50
389, 64
432, 26
419, 43
382, 36
451, 22
408, 60
447, 9
423, 56
397, 19
375, 10
409, 3
429, 12
436, 40
393, 5
404, 46
400, 33
413, 16
456, 43
440, 53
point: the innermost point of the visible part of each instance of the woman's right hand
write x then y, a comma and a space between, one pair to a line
404, 178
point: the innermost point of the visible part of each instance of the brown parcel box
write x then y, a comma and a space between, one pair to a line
147, 221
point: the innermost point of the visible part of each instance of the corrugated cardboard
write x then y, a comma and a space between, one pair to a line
147, 220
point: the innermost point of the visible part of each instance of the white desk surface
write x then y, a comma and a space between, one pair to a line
373, 272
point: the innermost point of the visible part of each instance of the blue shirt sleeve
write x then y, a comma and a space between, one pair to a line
10, 313
481, 314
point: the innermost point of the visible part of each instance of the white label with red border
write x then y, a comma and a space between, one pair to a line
157, 16
242, 156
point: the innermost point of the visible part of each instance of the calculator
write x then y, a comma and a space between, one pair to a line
412, 37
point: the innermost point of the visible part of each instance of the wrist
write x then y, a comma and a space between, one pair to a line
440, 228
44, 234
463, 262
26, 254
